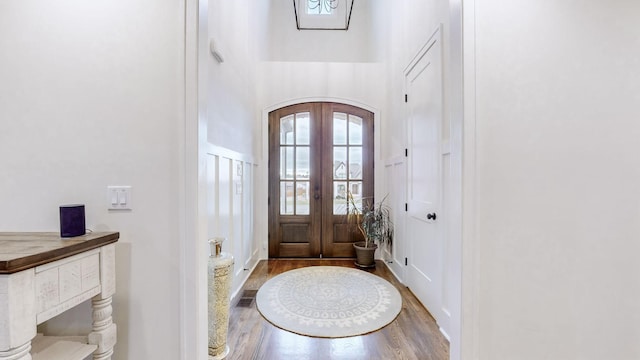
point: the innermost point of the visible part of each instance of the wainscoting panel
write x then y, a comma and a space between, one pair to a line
395, 179
448, 260
250, 245
230, 208
237, 217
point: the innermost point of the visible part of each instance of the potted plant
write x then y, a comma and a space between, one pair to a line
373, 222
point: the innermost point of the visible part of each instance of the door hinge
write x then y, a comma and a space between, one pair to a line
269, 201
406, 261
406, 98
406, 152
406, 206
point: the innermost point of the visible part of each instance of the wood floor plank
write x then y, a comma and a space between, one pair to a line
413, 335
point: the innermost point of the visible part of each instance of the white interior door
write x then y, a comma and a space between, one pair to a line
424, 182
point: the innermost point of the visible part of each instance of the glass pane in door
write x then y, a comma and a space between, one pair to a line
302, 162
355, 130
302, 173
302, 198
303, 134
355, 187
286, 198
286, 162
339, 128
347, 159
286, 130
295, 168
339, 197
355, 163
340, 162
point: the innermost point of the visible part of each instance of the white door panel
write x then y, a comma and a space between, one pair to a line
424, 186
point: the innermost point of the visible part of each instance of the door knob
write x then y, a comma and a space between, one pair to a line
431, 216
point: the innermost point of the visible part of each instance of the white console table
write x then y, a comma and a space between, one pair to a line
43, 275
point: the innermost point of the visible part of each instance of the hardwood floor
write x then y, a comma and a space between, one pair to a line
412, 335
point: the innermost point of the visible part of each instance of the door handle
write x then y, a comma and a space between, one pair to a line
316, 193
431, 216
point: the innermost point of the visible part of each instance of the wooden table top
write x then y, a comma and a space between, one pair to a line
24, 250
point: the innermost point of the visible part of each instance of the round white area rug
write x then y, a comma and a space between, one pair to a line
328, 301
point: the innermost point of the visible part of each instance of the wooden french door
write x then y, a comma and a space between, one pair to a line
318, 153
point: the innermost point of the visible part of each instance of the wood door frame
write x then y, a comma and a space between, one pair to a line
262, 218
327, 106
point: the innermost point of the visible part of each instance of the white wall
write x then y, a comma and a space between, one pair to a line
411, 23
89, 97
231, 85
298, 64
558, 206
231, 112
284, 81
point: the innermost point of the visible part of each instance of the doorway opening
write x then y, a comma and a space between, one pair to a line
319, 152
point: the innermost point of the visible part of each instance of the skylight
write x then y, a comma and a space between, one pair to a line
321, 7
323, 14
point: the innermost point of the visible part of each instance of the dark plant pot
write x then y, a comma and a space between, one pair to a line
364, 255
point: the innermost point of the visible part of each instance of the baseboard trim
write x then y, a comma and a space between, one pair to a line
444, 333
244, 280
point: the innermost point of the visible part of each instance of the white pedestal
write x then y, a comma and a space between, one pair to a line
220, 277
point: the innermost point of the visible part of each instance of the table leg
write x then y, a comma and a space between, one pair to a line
104, 330
19, 353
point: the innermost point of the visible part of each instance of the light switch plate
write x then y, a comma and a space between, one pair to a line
119, 198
